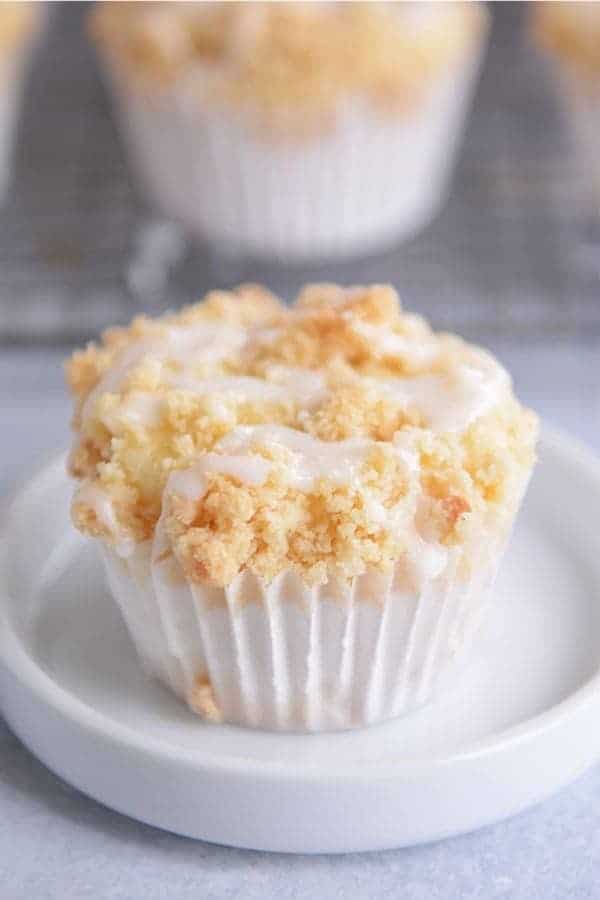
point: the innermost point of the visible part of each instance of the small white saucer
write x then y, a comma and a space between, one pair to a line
522, 721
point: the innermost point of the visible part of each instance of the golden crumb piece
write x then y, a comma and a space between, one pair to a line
202, 700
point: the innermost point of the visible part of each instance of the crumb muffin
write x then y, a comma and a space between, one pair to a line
301, 510
19, 23
293, 130
570, 35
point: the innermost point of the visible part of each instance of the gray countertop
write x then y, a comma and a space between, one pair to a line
56, 843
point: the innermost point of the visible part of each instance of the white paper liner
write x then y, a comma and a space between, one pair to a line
373, 179
288, 657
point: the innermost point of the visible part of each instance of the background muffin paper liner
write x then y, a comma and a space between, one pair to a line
371, 177
285, 656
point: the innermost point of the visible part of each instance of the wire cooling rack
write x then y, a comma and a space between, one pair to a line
509, 254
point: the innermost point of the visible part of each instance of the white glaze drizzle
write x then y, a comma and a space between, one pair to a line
144, 408
92, 495
448, 401
208, 342
419, 348
310, 458
139, 408
192, 484
295, 384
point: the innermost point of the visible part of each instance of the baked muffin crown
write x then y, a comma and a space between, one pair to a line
242, 434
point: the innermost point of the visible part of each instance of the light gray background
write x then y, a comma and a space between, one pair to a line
507, 263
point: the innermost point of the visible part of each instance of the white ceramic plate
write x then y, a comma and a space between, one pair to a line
522, 720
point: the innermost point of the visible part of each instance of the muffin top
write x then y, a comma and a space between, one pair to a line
329, 437
288, 61
572, 32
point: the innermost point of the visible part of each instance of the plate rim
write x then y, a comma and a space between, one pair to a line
32, 677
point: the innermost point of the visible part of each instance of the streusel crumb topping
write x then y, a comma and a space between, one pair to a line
298, 57
327, 437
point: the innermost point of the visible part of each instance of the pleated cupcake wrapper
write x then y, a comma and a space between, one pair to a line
285, 656
369, 180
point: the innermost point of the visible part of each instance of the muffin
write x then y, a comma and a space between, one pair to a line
301, 510
293, 130
570, 34
18, 26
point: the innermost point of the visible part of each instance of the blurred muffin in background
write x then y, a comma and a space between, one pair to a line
293, 130
570, 33
18, 25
